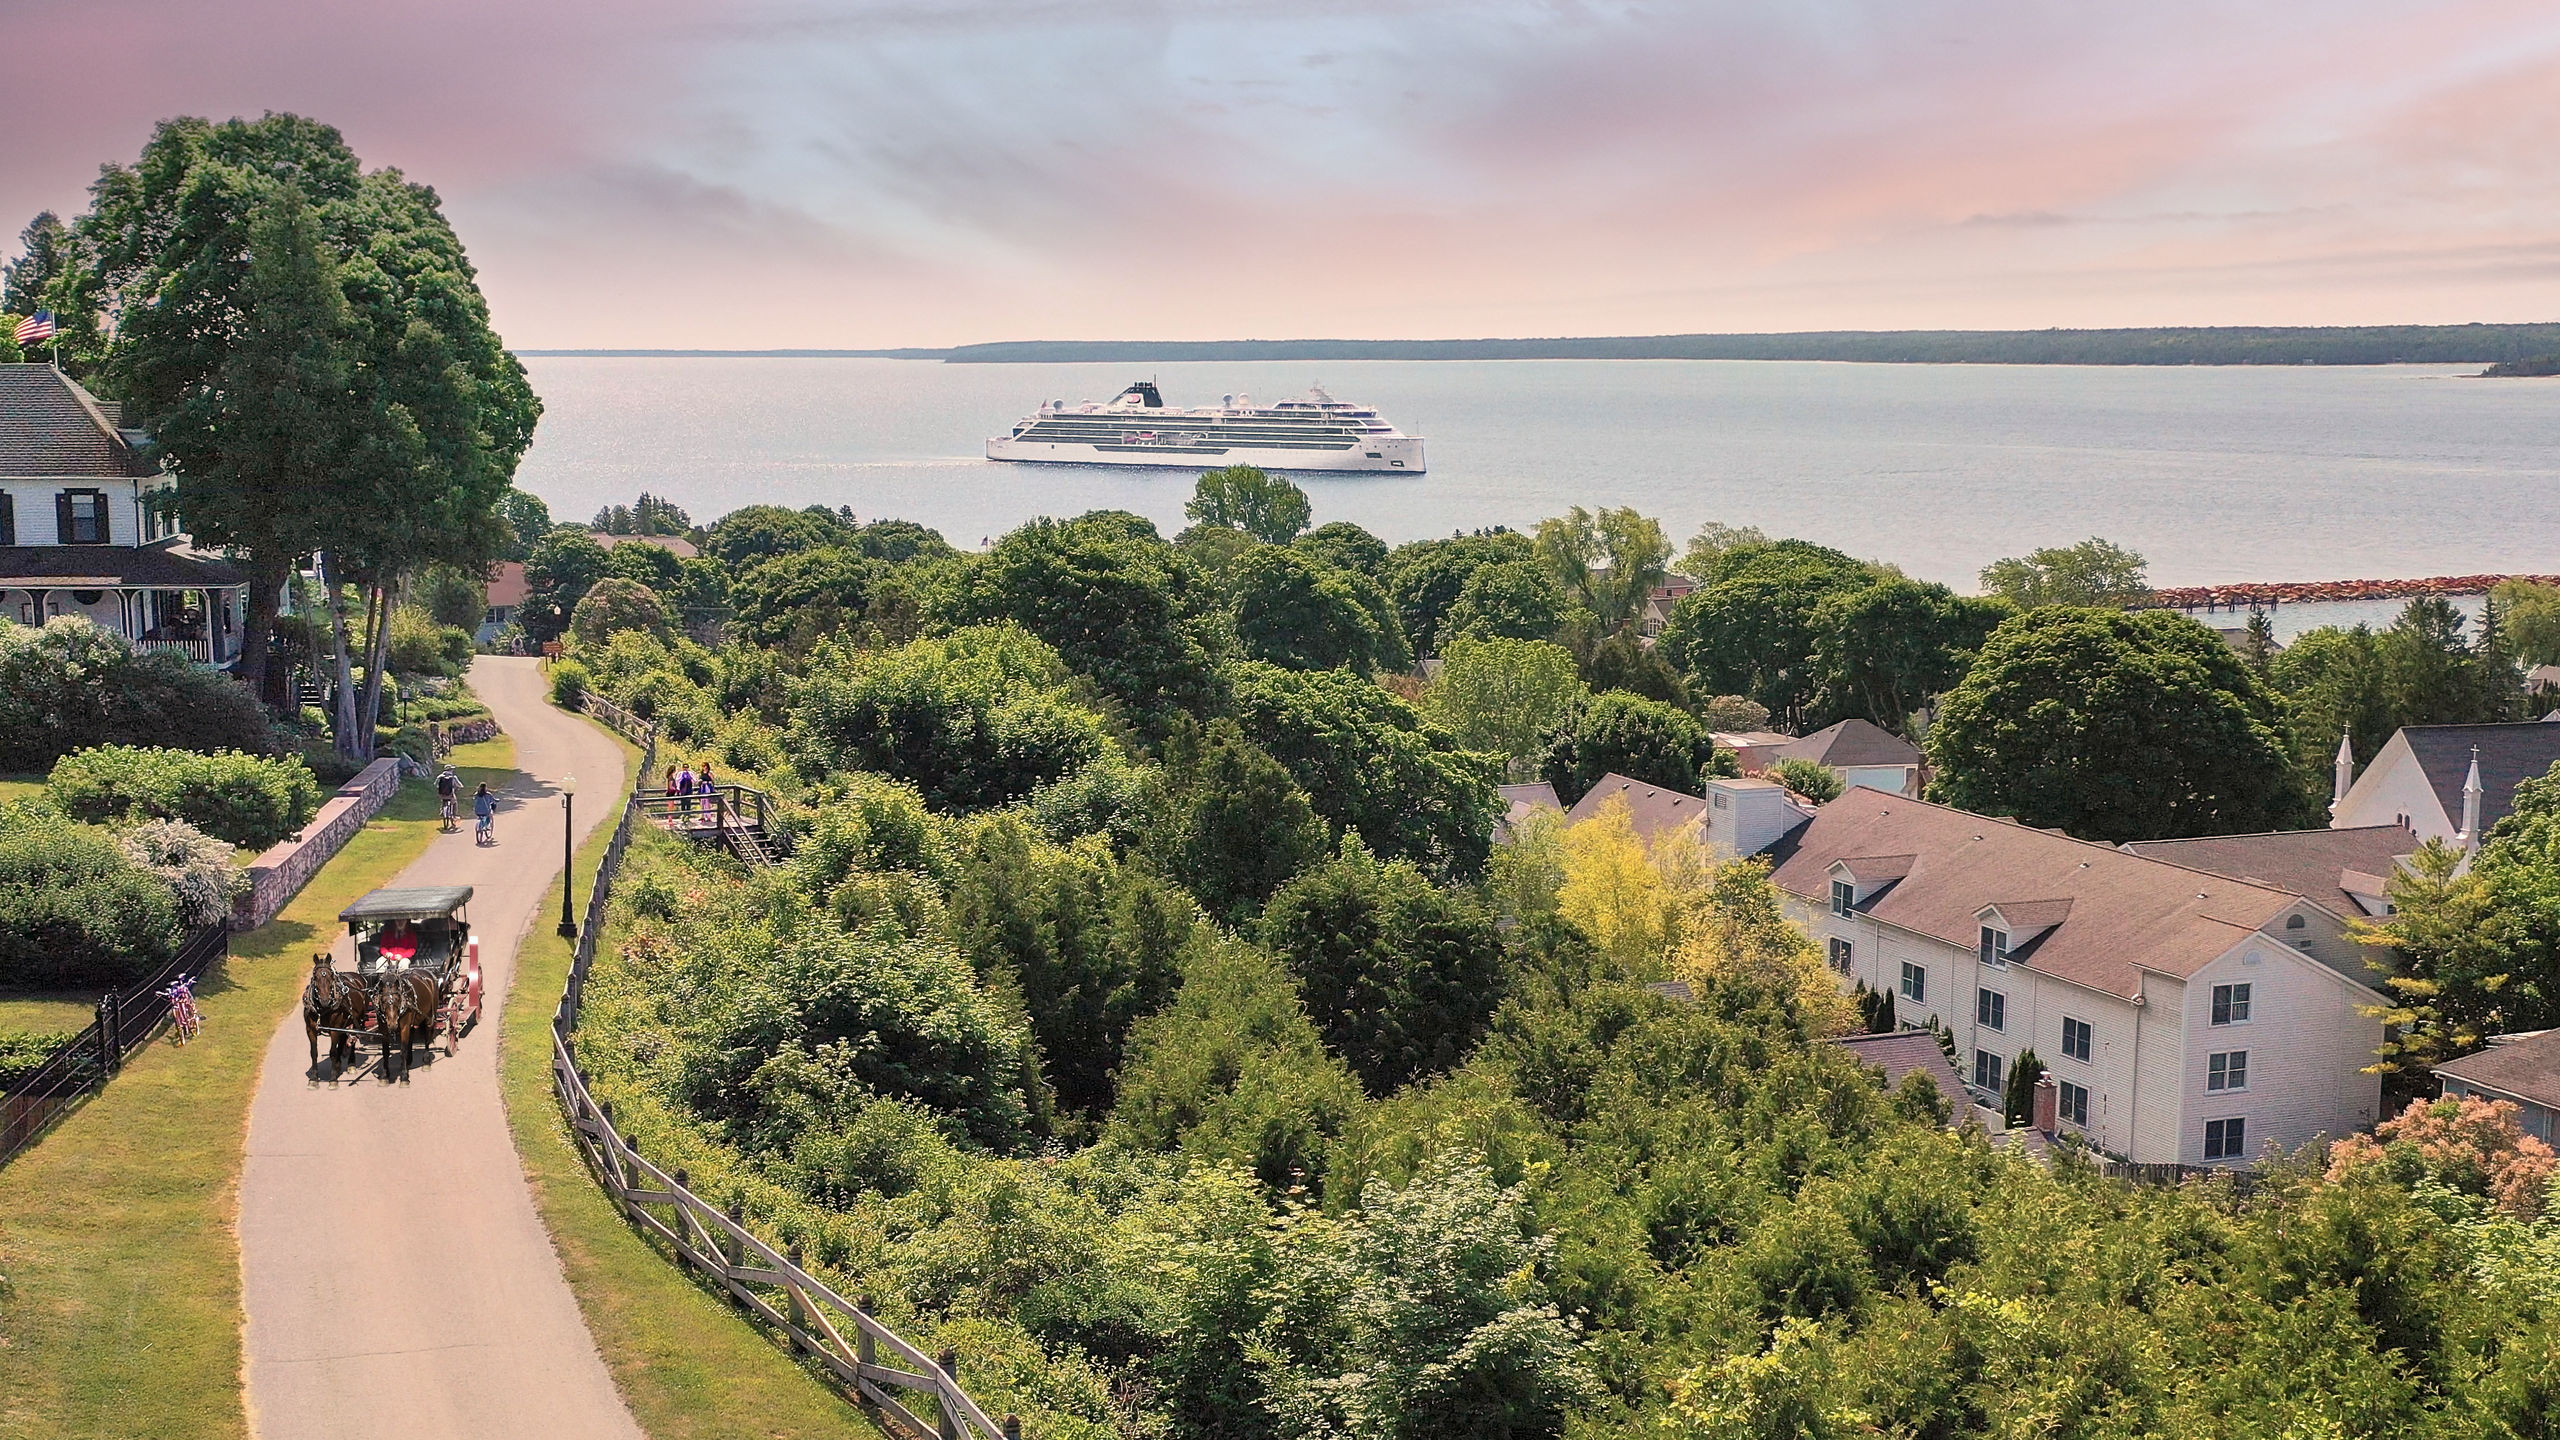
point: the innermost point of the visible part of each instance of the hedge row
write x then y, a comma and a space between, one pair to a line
246, 800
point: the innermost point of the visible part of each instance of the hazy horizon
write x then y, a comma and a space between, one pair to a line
878, 173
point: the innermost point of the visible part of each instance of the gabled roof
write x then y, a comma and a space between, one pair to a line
50, 429
1655, 811
1522, 801
2026, 917
2509, 756
2314, 864
2127, 914
1750, 739
1903, 1051
1851, 742
1876, 869
2527, 1067
507, 587
675, 545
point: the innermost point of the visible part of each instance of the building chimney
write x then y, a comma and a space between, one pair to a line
2048, 1105
2469, 839
2346, 777
1745, 817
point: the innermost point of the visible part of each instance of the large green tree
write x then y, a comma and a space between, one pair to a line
1262, 505
1399, 975
1881, 652
1345, 546
2093, 572
557, 573
1426, 578
1505, 697
804, 594
1235, 824
1120, 605
1618, 733
1608, 562
2116, 726
44, 253
1516, 600
1750, 628
973, 719
1307, 615
1369, 763
761, 532
377, 424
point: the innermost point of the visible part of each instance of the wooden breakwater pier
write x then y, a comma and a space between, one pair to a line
2264, 595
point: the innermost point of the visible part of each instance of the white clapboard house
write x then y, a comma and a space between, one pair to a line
85, 528
2187, 1017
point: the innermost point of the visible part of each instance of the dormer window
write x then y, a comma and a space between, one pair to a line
1995, 946
1844, 897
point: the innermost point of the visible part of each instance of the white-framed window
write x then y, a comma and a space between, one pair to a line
1995, 946
1841, 955
1844, 897
1915, 981
2075, 1104
2226, 1070
2231, 1004
1990, 1009
1986, 1071
2226, 1139
2076, 1039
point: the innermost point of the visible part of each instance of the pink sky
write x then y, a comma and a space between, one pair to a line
925, 172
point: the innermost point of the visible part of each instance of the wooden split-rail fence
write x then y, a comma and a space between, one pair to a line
914, 1391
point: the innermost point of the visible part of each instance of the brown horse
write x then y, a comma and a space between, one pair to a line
404, 1008
334, 1000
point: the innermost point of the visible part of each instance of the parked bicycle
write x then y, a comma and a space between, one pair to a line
183, 1014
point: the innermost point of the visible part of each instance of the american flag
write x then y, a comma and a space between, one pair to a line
38, 326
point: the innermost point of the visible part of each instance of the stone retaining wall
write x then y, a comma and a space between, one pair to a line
278, 875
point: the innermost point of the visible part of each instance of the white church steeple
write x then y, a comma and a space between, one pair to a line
2469, 839
2346, 774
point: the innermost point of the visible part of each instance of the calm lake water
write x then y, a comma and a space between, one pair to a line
2216, 474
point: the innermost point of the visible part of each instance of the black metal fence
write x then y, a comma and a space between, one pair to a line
127, 1020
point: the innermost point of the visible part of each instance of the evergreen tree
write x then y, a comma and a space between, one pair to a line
44, 252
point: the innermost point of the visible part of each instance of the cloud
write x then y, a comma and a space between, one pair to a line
789, 172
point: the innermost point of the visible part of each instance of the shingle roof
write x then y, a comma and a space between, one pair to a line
2127, 913
2310, 863
2509, 755
2527, 1067
105, 565
51, 428
1903, 1051
1522, 801
1654, 810
1851, 742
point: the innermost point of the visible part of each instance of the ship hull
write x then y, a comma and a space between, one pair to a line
1385, 454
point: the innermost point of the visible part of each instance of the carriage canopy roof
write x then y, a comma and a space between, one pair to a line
417, 902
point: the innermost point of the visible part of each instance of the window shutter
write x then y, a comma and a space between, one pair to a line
8, 518
62, 517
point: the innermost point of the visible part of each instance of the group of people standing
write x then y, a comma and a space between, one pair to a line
687, 788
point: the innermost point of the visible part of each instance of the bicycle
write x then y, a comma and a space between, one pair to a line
452, 813
487, 833
182, 1011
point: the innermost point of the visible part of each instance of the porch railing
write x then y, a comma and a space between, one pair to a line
200, 651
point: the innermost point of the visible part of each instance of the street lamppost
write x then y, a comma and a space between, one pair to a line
568, 854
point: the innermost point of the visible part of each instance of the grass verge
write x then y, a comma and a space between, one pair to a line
688, 1365
120, 1315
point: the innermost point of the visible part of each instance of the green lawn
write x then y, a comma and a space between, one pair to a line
688, 1365
20, 787
120, 1315
48, 1012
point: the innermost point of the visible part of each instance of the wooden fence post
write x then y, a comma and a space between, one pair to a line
1013, 1427
799, 1311
866, 1351
948, 1362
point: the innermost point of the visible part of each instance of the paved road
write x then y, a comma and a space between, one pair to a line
398, 1281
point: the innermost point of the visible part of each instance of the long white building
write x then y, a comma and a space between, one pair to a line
2188, 1017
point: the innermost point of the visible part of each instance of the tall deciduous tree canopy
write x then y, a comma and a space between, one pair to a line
1515, 600
1750, 628
761, 532
1505, 697
1264, 506
1618, 733
2116, 726
1881, 652
1306, 615
2093, 572
1345, 546
1607, 562
1426, 578
44, 252
307, 342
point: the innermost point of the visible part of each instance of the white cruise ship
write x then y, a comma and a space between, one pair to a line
1137, 428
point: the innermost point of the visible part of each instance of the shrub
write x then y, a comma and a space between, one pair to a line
1811, 779
73, 909
242, 799
614, 604
973, 719
569, 684
196, 867
71, 684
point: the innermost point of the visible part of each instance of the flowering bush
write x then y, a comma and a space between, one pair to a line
2469, 1144
195, 866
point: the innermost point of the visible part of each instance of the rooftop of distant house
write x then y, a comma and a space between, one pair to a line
2524, 1066
1654, 810
1851, 743
682, 548
2329, 867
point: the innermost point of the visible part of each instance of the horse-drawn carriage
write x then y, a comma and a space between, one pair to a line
417, 972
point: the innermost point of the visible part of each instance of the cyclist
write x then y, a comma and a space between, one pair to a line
485, 806
448, 799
